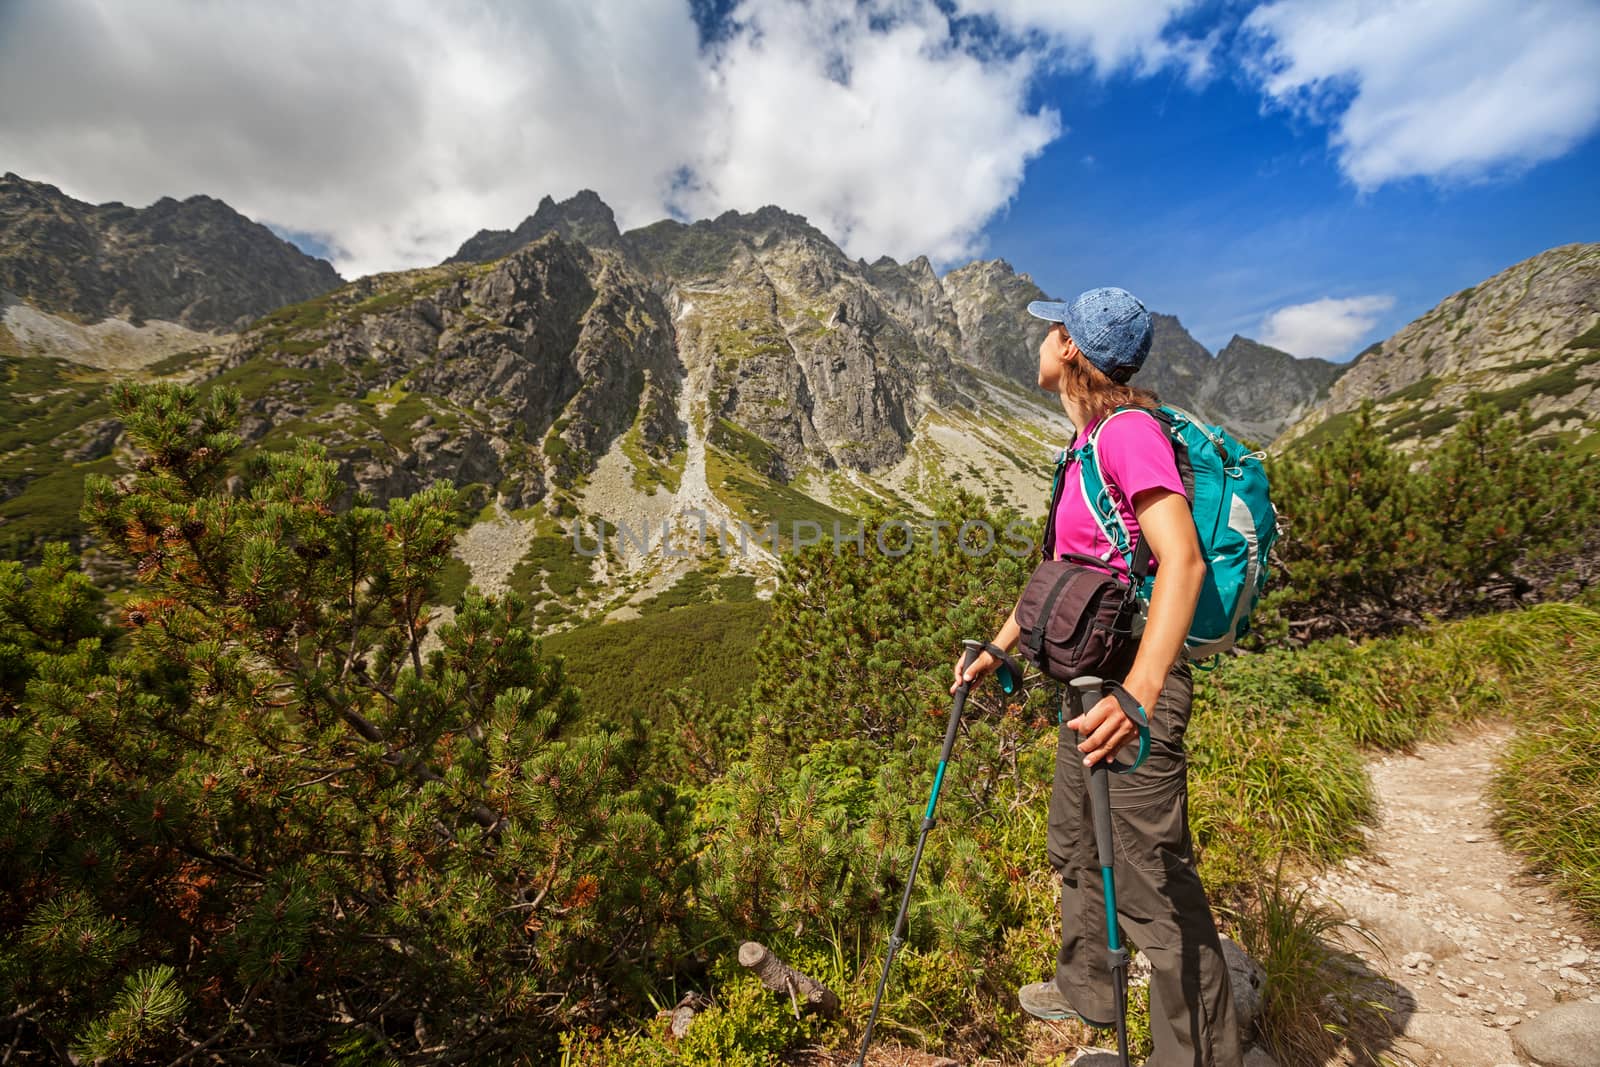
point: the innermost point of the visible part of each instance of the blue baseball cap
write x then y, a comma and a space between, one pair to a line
1110, 327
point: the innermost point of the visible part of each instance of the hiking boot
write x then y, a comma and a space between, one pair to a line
1043, 1000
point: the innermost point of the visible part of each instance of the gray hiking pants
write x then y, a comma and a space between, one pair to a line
1161, 906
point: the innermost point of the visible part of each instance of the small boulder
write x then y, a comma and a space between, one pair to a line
1568, 1035
1246, 976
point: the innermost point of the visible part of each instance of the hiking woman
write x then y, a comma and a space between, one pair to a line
1093, 347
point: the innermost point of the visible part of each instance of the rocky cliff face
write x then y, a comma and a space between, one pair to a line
197, 262
990, 301
1179, 368
1530, 334
1257, 391
513, 374
796, 343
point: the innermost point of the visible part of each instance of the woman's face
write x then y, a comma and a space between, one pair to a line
1056, 348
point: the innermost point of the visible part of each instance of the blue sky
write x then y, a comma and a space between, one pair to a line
1310, 173
1219, 210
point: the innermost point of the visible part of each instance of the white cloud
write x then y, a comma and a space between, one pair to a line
890, 139
1323, 329
391, 131
397, 130
1449, 91
1108, 35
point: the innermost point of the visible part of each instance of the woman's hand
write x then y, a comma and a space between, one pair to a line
1108, 726
984, 664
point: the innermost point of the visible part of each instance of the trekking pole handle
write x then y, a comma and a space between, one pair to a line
1089, 690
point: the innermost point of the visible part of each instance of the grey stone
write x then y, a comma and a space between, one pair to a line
1256, 1056
94, 440
1246, 977
1567, 1035
1097, 1057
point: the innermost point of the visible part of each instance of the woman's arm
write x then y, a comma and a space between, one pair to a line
1167, 525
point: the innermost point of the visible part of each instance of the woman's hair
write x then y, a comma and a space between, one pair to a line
1098, 395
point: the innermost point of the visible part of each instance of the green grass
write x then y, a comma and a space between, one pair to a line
261, 374
650, 473
1589, 338
1418, 390
47, 510
744, 446
1562, 380
624, 666
41, 398
737, 463
701, 587
1420, 424
550, 562
175, 363
1327, 430
1290, 936
1546, 788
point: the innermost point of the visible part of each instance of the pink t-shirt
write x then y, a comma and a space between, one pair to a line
1134, 455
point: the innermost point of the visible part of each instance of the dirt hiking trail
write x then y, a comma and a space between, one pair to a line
1476, 948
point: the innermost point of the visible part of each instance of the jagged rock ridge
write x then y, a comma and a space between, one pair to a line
197, 262
585, 219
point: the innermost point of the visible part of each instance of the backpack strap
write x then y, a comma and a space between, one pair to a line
1097, 493
1047, 545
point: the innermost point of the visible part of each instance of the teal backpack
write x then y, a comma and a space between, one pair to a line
1237, 524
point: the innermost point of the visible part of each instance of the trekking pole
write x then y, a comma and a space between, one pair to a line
1010, 679
1090, 690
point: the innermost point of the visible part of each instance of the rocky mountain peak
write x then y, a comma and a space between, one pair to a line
194, 262
990, 301
584, 218
1258, 390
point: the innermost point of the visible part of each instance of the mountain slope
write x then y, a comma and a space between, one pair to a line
737, 370
197, 263
1530, 334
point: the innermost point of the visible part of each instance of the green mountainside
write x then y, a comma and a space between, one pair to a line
277, 786
1529, 335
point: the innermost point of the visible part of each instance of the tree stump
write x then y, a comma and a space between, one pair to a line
805, 992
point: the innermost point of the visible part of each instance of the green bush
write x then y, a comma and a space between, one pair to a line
745, 1026
1490, 519
269, 818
